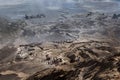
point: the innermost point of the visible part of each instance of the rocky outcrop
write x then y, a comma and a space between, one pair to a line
92, 60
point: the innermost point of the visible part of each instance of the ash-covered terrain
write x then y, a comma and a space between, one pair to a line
79, 47
89, 26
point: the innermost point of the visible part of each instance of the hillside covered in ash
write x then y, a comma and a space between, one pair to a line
80, 47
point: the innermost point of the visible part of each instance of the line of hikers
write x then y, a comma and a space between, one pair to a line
35, 16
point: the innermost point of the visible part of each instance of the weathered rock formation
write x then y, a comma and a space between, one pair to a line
86, 61
91, 60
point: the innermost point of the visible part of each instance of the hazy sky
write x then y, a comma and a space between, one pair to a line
21, 7
7, 2
11, 2
56, 4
